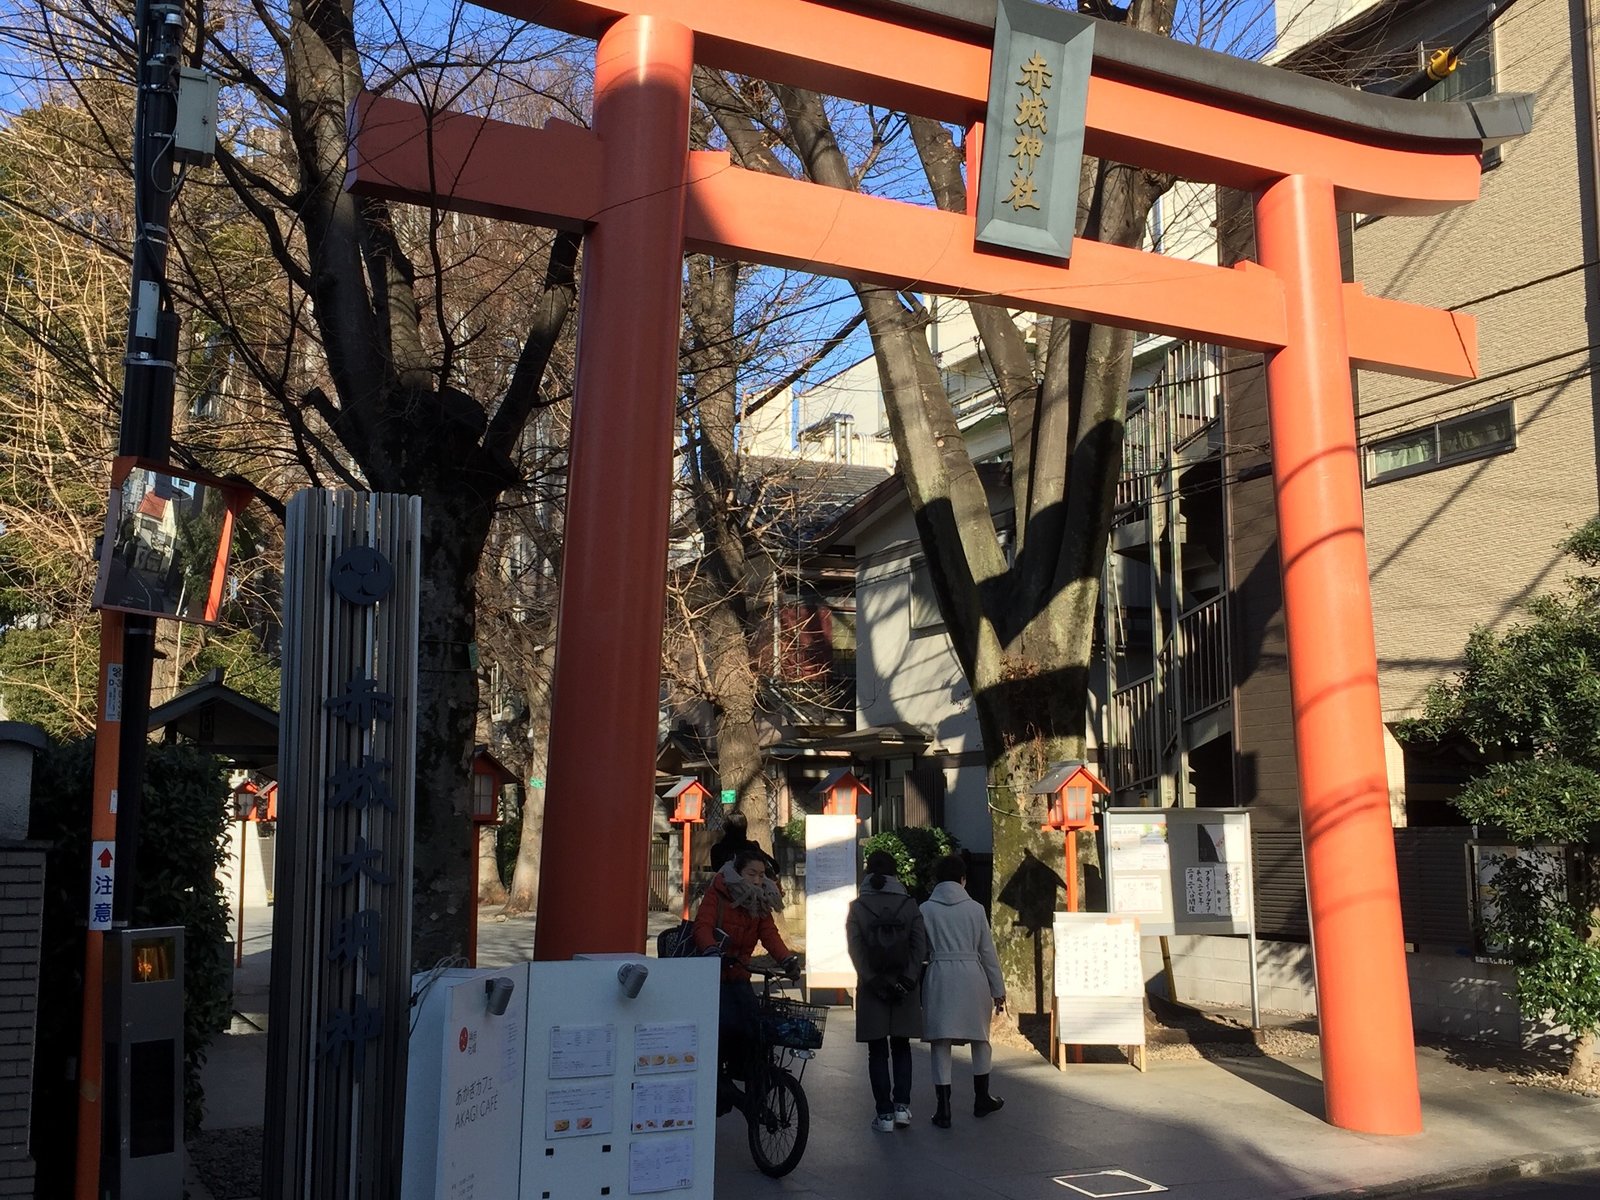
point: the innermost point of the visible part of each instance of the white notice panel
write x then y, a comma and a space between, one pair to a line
830, 887
464, 1089
621, 1094
1099, 981
1181, 870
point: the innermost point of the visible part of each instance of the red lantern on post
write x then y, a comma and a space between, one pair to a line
489, 775
841, 793
690, 796
689, 809
1071, 788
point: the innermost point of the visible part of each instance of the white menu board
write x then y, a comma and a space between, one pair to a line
464, 1089
662, 1164
581, 1051
621, 1091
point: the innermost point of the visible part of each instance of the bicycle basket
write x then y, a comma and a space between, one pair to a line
793, 1024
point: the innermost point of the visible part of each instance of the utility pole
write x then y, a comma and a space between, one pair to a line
127, 641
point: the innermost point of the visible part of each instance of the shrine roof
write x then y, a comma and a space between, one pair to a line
1488, 120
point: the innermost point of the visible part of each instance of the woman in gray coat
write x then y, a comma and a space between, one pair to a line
962, 989
887, 943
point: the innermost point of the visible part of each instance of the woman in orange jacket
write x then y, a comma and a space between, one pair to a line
735, 915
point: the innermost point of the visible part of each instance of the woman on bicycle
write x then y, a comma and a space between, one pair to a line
735, 915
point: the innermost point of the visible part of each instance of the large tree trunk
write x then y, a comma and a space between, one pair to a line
739, 765
491, 889
445, 846
387, 350
1020, 623
1585, 1065
523, 896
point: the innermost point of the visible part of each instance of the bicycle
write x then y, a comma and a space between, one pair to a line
777, 1116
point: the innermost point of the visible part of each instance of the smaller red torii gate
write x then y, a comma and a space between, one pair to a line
1305, 149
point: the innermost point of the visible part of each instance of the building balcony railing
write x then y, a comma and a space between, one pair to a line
1181, 403
1193, 676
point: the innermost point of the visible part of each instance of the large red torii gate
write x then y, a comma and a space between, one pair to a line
1304, 148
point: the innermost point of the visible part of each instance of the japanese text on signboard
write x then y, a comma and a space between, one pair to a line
1033, 122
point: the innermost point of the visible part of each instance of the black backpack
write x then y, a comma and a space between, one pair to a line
677, 942
888, 938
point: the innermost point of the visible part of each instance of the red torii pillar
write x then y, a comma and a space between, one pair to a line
1352, 889
619, 480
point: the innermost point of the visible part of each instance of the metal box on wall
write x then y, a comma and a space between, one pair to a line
144, 1063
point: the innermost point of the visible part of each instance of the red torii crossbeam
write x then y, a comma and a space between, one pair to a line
1306, 149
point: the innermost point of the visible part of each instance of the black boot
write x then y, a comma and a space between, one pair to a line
941, 1112
982, 1103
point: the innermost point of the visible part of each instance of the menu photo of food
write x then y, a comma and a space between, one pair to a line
664, 1047
578, 1111
663, 1107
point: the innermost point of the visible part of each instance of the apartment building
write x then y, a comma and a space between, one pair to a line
1468, 488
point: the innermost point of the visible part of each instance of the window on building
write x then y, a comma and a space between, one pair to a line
925, 616
1443, 444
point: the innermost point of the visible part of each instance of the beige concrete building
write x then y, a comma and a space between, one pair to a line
1470, 488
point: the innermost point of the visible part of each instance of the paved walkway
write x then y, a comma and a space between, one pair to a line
1233, 1129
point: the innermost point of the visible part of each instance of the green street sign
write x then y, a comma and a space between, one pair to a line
729, 796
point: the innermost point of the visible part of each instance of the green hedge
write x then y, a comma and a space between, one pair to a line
915, 848
180, 848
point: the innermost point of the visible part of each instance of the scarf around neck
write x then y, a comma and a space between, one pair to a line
758, 899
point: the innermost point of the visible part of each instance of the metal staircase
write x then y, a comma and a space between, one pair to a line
1169, 678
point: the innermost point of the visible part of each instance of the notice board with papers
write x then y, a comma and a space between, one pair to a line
1181, 870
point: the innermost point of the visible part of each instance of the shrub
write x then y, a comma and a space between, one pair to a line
180, 848
794, 832
915, 848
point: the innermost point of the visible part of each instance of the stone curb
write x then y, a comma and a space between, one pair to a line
1499, 1171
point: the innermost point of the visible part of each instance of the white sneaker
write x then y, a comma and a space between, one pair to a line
902, 1115
883, 1123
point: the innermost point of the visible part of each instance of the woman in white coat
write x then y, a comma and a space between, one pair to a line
962, 989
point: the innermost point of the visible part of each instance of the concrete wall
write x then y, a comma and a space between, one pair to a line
1462, 998
259, 854
21, 909
1451, 995
1215, 970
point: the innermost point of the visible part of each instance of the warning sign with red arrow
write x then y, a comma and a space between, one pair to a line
102, 882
